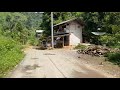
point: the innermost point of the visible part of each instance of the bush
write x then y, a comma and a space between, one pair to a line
79, 46
113, 57
32, 40
115, 46
10, 55
109, 40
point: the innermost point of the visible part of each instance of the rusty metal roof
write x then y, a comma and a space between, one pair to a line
66, 21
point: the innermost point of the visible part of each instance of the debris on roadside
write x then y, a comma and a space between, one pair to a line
96, 50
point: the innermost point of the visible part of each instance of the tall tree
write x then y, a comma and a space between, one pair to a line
19, 25
46, 24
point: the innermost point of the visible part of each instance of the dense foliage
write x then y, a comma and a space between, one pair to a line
16, 29
114, 57
10, 54
20, 25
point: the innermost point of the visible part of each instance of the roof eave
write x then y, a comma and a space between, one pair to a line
65, 22
68, 21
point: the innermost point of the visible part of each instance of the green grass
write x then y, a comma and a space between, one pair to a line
33, 41
79, 46
10, 55
116, 46
113, 57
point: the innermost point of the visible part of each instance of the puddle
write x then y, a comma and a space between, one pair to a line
48, 54
30, 67
34, 58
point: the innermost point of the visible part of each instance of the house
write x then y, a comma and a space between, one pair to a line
38, 33
69, 32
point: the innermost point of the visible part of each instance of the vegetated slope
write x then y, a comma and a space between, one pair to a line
10, 54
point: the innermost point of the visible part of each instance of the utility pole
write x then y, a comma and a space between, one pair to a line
52, 30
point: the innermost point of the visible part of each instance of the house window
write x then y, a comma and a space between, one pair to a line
67, 24
63, 26
78, 26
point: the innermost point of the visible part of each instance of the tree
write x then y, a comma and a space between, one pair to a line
46, 24
15, 24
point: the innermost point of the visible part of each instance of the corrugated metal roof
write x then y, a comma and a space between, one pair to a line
40, 31
98, 33
66, 21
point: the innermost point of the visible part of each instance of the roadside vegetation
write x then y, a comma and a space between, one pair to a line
79, 46
10, 54
17, 30
113, 57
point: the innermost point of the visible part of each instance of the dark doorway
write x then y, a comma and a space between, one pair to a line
86, 39
66, 40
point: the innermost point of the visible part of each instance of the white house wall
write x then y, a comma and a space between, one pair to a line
75, 33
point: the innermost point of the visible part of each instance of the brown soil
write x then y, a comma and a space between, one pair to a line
101, 64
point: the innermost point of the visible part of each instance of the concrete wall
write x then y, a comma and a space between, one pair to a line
75, 33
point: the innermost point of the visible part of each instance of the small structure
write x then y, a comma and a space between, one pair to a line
39, 33
98, 33
68, 32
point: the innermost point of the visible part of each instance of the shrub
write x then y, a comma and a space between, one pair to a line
115, 46
32, 40
10, 54
113, 57
111, 40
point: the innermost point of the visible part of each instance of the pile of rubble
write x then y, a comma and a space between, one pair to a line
96, 50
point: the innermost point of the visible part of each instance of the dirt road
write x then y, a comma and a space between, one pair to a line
58, 63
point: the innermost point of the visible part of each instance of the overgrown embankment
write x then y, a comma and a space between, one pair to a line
17, 29
10, 55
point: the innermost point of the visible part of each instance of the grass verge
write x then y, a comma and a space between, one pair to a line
10, 55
